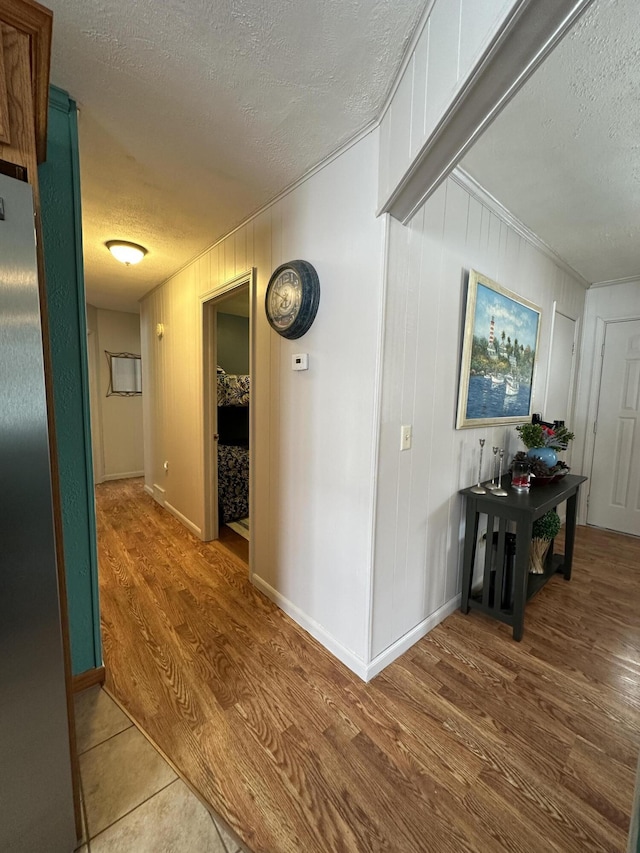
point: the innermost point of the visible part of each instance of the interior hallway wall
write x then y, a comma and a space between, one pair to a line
117, 423
418, 519
314, 451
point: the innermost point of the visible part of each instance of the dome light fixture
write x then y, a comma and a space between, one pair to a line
126, 253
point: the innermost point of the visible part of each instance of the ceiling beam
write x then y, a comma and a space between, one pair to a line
529, 33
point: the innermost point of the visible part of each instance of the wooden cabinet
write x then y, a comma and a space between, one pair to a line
25, 51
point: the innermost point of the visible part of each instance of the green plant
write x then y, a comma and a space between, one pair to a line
547, 526
539, 435
531, 435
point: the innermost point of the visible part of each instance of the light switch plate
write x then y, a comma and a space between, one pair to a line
405, 437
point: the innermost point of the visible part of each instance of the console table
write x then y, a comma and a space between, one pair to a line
503, 596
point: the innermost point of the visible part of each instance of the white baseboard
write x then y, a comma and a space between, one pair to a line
183, 518
157, 493
348, 658
126, 476
364, 671
410, 638
148, 490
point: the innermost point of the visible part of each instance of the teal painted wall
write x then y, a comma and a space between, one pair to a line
59, 179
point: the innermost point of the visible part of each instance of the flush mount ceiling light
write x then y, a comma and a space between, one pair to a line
126, 253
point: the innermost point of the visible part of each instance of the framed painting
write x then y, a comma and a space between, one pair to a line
499, 351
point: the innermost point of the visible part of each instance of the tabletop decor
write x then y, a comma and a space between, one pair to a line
498, 355
477, 489
545, 529
539, 472
492, 486
543, 442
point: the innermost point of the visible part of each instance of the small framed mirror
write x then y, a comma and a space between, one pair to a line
125, 374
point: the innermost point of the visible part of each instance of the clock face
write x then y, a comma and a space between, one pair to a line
284, 299
292, 299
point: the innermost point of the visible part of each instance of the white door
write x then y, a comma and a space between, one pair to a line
557, 405
614, 496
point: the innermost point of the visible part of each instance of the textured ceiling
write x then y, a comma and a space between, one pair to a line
194, 114
564, 156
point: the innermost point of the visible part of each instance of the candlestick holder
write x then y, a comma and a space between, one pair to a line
478, 490
492, 486
500, 492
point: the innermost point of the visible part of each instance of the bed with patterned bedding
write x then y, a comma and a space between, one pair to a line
233, 447
233, 390
233, 482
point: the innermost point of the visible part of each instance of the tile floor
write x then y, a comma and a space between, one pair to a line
133, 802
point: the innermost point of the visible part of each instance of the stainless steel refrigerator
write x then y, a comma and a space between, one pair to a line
36, 799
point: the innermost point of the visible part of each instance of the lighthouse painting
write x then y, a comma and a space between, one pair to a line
498, 355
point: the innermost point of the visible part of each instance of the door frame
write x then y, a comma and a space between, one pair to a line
209, 302
594, 403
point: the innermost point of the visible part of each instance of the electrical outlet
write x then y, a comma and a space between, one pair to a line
405, 437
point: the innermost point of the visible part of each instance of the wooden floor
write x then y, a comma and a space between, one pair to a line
468, 742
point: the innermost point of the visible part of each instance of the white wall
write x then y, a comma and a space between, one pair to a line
454, 36
314, 449
116, 422
418, 518
611, 302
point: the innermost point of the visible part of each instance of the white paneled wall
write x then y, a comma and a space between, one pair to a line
454, 36
418, 514
314, 449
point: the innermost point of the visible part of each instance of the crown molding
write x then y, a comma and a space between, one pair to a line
627, 280
476, 190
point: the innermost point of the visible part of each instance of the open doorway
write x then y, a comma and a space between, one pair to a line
226, 318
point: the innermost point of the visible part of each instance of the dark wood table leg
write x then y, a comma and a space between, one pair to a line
570, 534
521, 575
470, 538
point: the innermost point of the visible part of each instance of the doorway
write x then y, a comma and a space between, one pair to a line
614, 497
227, 378
558, 403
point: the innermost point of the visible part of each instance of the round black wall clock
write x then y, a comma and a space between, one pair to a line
292, 299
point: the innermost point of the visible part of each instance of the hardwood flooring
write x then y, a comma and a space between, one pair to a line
469, 742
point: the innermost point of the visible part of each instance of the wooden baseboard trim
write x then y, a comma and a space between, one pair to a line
88, 679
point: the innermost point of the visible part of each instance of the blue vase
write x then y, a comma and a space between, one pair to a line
545, 454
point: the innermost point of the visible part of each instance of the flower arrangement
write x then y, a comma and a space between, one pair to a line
541, 435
